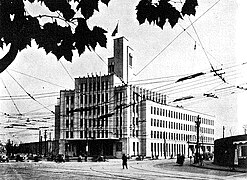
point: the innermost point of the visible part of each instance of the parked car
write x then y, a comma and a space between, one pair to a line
4, 158
20, 157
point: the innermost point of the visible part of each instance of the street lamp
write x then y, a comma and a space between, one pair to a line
198, 122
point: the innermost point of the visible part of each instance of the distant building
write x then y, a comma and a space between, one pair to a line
231, 151
105, 115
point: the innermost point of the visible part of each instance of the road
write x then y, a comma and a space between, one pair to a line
138, 170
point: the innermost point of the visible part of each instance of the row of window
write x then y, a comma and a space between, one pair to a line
179, 126
95, 110
178, 136
178, 115
89, 134
94, 86
160, 149
95, 98
88, 123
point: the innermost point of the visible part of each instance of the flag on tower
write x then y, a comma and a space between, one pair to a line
115, 31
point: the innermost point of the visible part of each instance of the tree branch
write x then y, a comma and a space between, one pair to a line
55, 17
9, 57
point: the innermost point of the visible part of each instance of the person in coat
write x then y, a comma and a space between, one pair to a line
124, 161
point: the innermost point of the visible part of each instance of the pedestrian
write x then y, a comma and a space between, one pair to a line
124, 161
201, 159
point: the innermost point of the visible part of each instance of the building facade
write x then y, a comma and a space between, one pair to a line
105, 115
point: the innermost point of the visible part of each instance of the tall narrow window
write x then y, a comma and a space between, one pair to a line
130, 59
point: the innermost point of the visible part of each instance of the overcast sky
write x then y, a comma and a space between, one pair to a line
220, 26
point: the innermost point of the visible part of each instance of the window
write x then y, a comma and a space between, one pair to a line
81, 134
94, 86
85, 99
106, 85
157, 123
151, 121
71, 134
94, 98
72, 99
90, 99
98, 86
67, 134
67, 123
67, 100
106, 109
90, 86
85, 86
102, 85
71, 123
106, 97
151, 134
81, 123
151, 109
130, 59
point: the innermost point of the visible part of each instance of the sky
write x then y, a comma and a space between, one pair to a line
217, 38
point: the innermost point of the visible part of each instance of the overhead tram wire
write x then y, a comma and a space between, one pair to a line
36, 78
66, 71
199, 44
196, 99
28, 97
206, 83
28, 93
166, 87
11, 97
176, 38
212, 67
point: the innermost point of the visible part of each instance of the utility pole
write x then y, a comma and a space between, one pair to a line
223, 131
50, 148
198, 122
39, 141
45, 136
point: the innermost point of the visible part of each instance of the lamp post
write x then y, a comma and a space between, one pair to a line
198, 122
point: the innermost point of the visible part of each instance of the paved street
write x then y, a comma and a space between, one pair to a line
156, 169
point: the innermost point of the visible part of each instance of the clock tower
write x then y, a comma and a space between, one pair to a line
121, 63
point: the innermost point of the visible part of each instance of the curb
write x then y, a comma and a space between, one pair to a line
220, 169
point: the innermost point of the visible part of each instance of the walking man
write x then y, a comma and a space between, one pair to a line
124, 161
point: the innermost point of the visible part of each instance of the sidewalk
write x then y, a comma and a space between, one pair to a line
210, 165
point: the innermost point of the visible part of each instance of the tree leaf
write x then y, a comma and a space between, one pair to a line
189, 7
99, 35
106, 2
87, 7
143, 10
60, 5
80, 35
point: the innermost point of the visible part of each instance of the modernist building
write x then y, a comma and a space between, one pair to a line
105, 115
